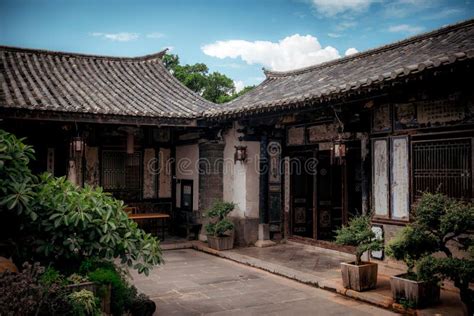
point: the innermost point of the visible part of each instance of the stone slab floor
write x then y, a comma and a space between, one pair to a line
195, 283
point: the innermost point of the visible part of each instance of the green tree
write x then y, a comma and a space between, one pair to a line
360, 235
215, 87
51, 220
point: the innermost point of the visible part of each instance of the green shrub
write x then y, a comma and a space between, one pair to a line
360, 235
84, 303
122, 295
30, 292
64, 224
16, 179
450, 223
219, 225
51, 276
76, 278
409, 245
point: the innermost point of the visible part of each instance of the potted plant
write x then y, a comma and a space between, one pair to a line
219, 229
359, 275
451, 222
422, 237
410, 289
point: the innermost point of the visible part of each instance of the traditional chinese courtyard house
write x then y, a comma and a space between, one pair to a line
299, 154
108, 121
364, 133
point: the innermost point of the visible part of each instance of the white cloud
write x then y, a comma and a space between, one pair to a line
345, 25
404, 8
239, 85
351, 51
334, 7
119, 37
292, 52
334, 35
155, 35
405, 28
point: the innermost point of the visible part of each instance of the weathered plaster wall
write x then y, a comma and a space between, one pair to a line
187, 157
165, 173
210, 174
241, 185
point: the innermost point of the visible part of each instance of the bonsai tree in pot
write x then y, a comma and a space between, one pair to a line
439, 224
410, 245
451, 222
219, 229
359, 275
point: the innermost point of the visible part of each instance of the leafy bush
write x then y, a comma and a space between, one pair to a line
359, 234
410, 245
122, 295
63, 224
219, 225
51, 276
76, 278
16, 179
76, 223
29, 292
84, 303
450, 223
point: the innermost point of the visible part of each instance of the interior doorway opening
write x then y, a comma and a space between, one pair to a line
324, 192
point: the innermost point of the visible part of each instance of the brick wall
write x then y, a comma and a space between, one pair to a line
211, 156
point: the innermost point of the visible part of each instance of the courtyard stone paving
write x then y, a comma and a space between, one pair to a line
195, 283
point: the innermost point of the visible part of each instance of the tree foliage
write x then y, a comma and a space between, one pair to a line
410, 245
219, 225
360, 235
441, 224
215, 87
62, 224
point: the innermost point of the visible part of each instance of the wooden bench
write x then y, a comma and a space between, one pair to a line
145, 216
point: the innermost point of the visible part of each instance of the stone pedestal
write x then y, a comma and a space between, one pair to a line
264, 236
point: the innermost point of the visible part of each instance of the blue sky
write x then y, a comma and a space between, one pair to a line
236, 37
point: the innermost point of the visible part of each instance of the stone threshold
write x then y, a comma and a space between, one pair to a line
377, 297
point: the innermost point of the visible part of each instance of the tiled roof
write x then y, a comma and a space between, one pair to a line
385, 64
77, 83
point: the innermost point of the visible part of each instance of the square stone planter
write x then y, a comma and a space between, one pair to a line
361, 277
220, 243
415, 293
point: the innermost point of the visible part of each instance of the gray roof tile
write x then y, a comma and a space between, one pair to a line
78, 83
280, 89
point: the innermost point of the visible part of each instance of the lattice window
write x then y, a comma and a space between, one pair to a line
121, 173
444, 165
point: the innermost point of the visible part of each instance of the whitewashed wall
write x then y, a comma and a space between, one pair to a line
241, 180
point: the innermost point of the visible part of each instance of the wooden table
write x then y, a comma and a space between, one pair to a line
142, 216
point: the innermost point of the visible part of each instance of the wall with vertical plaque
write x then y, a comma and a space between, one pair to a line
165, 173
380, 181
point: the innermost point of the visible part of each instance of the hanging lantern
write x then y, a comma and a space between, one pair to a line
78, 144
240, 153
130, 143
339, 150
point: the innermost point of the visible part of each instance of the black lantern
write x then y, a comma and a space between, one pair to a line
77, 144
240, 153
